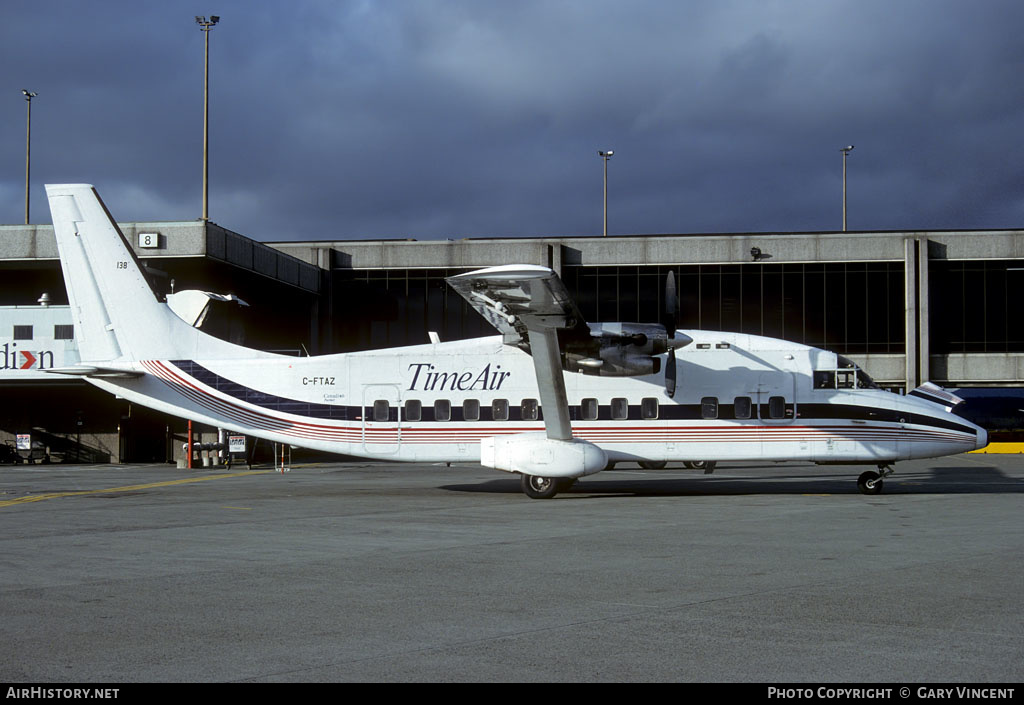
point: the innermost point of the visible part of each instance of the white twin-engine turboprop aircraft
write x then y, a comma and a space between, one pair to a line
552, 398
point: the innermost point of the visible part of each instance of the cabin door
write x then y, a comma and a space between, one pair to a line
382, 427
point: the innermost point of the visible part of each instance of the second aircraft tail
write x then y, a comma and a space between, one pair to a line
116, 313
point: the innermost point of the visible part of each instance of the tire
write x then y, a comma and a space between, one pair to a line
875, 481
652, 464
707, 466
536, 487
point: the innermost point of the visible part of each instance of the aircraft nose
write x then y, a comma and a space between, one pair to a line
982, 440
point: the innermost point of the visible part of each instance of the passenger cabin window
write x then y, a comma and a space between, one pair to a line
776, 407
709, 408
742, 407
442, 410
588, 409
63, 331
23, 332
649, 408
471, 410
413, 410
620, 408
381, 410
528, 410
499, 409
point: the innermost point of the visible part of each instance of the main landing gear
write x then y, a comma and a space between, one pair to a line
536, 487
870, 482
708, 466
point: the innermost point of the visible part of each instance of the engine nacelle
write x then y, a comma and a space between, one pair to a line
536, 454
620, 349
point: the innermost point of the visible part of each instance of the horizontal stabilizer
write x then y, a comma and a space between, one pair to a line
934, 393
93, 371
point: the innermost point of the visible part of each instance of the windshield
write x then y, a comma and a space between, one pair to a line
846, 376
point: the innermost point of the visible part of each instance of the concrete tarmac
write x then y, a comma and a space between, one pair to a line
775, 573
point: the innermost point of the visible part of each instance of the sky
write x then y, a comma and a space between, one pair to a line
435, 119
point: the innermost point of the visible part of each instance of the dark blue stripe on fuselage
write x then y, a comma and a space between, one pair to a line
805, 413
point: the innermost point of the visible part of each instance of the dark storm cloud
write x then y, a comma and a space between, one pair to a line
452, 119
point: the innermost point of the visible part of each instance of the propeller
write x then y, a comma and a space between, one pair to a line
669, 321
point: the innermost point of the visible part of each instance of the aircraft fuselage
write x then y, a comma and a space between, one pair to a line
740, 397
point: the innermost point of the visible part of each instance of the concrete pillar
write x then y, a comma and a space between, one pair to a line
915, 268
555, 258
923, 366
910, 310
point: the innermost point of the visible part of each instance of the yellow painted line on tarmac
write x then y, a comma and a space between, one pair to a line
1001, 448
127, 488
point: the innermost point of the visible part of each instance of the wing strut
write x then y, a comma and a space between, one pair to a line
547, 363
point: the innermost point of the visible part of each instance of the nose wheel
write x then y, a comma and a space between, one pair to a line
871, 482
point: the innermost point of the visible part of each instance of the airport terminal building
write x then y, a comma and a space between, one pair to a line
907, 306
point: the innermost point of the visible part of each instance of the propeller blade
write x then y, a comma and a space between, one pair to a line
670, 373
671, 305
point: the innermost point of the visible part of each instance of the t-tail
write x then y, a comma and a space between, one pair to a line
117, 315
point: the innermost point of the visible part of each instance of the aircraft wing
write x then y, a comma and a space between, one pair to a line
532, 309
510, 296
529, 304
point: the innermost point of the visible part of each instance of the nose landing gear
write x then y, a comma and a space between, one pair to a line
871, 482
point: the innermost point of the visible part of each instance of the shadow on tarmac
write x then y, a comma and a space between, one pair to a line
936, 480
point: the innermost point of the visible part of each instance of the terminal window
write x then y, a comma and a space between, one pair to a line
848, 307
973, 306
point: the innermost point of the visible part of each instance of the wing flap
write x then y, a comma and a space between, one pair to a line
510, 295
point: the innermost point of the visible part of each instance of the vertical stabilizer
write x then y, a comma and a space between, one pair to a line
117, 315
94, 330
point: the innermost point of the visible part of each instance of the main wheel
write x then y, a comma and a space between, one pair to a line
652, 464
870, 482
536, 487
706, 465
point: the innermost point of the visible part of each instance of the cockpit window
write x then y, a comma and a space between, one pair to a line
864, 380
824, 379
847, 376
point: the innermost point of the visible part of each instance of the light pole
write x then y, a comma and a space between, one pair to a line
29, 95
845, 150
605, 155
206, 26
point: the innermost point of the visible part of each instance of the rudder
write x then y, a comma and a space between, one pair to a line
116, 313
